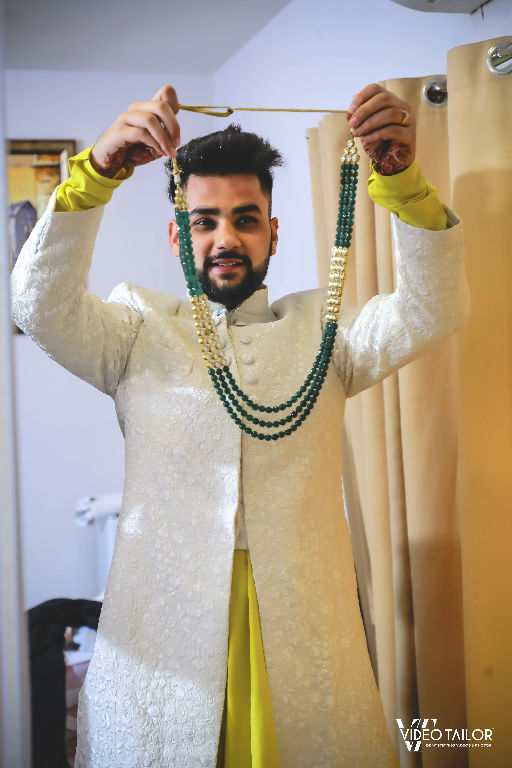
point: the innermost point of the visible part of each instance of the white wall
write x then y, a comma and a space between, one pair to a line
318, 55
314, 55
69, 442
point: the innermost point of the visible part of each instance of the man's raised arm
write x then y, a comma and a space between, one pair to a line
90, 337
431, 299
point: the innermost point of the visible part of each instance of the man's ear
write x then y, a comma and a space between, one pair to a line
274, 225
173, 238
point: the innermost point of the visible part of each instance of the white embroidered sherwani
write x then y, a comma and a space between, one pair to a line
154, 691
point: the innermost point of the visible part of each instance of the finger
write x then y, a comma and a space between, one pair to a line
397, 133
367, 93
150, 122
155, 118
168, 94
167, 117
137, 135
380, 101
165, 114
386, 116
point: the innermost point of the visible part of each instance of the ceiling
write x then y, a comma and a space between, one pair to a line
129, 35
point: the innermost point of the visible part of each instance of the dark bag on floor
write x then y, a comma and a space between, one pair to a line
47, 623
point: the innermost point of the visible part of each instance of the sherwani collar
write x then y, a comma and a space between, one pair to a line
255, 309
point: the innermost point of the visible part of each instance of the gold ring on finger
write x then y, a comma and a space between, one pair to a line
405, 118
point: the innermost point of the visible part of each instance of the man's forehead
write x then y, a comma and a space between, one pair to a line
238, 188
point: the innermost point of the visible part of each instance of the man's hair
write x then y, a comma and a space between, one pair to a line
223, 153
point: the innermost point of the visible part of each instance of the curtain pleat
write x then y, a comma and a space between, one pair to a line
425, 524
420, 506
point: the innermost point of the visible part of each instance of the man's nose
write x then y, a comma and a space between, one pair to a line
226, 237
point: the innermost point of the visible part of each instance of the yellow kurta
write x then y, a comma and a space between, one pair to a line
248, 738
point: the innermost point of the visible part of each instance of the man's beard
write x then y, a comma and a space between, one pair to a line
231, 296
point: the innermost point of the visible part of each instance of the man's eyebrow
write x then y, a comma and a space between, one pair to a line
205, 211
215, 211
247, 208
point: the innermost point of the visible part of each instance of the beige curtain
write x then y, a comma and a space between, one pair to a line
426, 453
481, 171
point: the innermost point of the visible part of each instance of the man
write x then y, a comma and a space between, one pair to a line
197, 488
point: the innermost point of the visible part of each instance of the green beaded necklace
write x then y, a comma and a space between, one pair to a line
237, 403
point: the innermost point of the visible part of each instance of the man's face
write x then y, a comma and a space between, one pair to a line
232, 236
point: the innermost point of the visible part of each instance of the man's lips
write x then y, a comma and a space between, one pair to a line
226, 265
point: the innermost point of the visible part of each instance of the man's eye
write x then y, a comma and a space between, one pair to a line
203, 223
246, 220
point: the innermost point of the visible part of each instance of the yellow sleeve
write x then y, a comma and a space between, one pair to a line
410, 196
86, 188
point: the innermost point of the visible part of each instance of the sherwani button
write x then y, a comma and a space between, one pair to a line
247, 359
252, 378
245, 339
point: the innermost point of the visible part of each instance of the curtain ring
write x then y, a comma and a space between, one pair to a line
435, 92
499, 58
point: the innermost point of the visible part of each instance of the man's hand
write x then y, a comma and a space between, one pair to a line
386, 127
146, 131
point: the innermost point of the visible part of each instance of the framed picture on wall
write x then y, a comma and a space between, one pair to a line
34, 168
